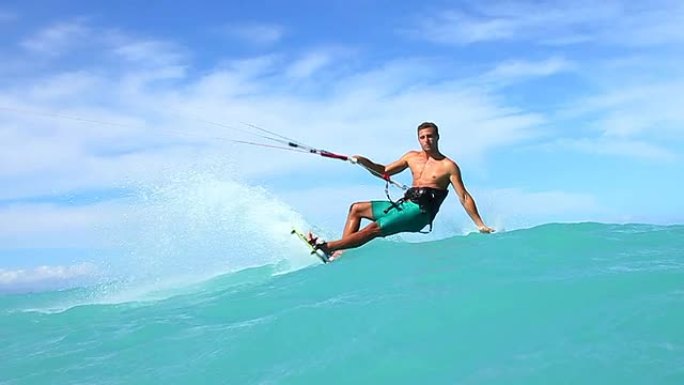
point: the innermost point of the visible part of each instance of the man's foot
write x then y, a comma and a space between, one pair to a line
311, 238
335, 254
332, 255
318, 245
321, 245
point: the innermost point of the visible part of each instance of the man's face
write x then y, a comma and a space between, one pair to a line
428, 139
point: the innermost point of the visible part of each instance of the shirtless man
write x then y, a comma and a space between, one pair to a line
432, 173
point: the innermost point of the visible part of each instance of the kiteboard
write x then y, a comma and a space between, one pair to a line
325, 258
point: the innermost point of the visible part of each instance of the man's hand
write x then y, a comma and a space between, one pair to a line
360, 159
485, 229
365, 162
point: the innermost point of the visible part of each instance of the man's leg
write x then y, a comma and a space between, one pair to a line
355, 239
357, 211
352, 236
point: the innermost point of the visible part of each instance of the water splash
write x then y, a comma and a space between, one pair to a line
189, 229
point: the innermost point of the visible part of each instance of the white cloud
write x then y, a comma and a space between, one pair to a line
149, 53
157, 130
309, 64
513, 70
618, 147
455, 27
42, 273
63, 85
634, 116
54, 225
508, 21
42, 277
558, 23
58, 38
110, 51
132, 134
256, 33
646, 24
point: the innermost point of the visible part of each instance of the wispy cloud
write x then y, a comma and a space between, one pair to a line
57, 225
42, 277
255, 33
58, 38
617, 147
647, 24
520, 70
558, 23
509, 21
63, 85
645, 130
151, 53
456, 27
635, 118
156, 136
308, 65
108, 49
159, 132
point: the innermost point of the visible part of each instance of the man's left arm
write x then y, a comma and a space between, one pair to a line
467, 200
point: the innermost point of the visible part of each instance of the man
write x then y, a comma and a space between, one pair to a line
432, 173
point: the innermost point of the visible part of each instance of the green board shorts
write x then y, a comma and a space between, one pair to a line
406, 217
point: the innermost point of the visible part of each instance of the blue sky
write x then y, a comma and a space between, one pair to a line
555, 111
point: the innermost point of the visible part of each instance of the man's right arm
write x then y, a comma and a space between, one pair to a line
379, 170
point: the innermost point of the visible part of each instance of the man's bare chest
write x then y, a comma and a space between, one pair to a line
429, 172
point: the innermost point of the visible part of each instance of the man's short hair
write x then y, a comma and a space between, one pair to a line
428, 125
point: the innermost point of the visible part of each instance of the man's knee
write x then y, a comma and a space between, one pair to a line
373, 229
359, 208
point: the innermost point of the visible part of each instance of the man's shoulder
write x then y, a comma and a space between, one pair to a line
410, 155
450, 164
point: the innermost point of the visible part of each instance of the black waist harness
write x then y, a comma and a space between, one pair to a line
427, 198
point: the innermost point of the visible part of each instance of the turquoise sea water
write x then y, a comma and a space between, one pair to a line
555, 304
